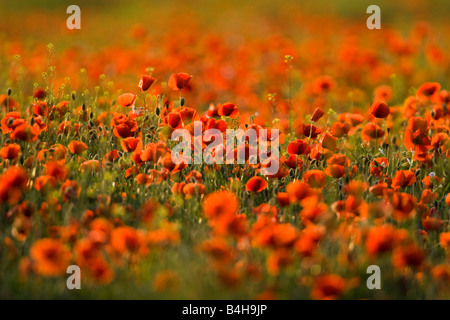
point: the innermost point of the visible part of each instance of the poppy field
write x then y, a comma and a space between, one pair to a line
87, 176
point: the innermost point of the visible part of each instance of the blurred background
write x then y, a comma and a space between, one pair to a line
123, 39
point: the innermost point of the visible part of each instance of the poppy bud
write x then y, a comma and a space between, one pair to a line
127, 99
182, 101
83, 107
91, 115
73, 96
9, 91
157, 111
91, 123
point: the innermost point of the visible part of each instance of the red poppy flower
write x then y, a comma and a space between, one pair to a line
328, 141
309, 130
27, 133
126, 99
372, 131
404, 205
70, 190
77, 147
379, 109
315, 178
403, 178
408, 256
381, 239
179, 81
51, 257
10, 152
340, 129
428, 90
318, 113
256, 184
146, 82
328, 287
228, 110
334, 170
298, 147
131, 144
